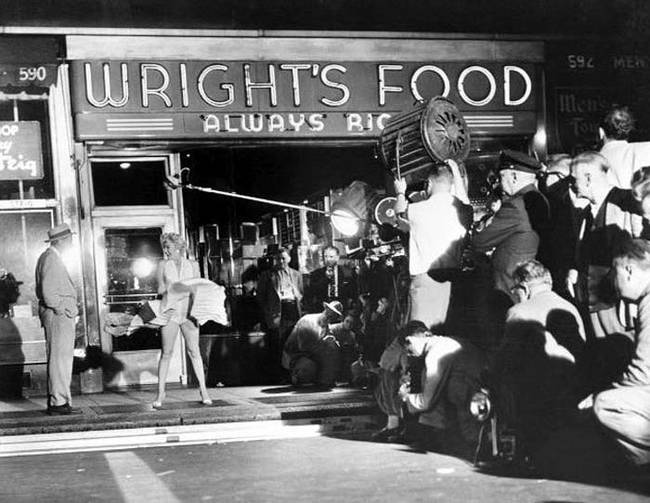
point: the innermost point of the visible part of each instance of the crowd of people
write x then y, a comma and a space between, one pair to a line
552, 317
563, 341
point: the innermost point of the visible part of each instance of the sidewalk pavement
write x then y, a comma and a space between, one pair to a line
132, 408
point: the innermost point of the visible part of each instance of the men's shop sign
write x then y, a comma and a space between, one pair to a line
225, 99
21, 156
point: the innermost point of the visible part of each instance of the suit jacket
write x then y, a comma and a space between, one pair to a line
563, 234
514, 233
617, 220
54, 287
268, 295
318, 288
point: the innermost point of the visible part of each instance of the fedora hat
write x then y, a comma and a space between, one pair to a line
60, 231
335, 306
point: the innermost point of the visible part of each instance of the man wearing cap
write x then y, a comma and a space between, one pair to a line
57, 298
518, 225
311, 352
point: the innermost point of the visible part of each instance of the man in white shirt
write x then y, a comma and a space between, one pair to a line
436, 239
624, 158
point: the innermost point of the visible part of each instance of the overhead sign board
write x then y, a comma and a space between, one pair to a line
174, 99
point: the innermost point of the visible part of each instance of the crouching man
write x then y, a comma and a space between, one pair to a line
536, 369
311, 352
450, 376
624, 410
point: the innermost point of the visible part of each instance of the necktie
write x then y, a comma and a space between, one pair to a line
332, 286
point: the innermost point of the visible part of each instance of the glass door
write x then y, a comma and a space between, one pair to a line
127, 253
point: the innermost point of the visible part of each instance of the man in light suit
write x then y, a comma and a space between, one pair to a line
57, 307
280, 292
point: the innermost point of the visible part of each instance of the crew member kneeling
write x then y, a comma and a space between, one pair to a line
451, 374
624, 409
311, 352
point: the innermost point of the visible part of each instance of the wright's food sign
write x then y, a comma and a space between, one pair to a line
171, 99
21, 155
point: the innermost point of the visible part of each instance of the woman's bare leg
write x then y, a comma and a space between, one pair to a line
191, 335
168, 334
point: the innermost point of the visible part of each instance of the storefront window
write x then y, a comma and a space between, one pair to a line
33, 109
132, 257
28, 229
127, 182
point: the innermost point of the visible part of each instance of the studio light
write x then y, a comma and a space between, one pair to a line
352, 207
345, 222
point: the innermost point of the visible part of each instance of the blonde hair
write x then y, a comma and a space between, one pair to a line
172, 238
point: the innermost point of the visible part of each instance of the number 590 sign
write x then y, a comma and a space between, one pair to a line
21, 155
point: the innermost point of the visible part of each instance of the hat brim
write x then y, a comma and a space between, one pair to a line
518, 167
59, 238
327, 306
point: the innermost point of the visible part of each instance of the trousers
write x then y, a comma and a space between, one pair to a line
625, 413
429, 300
59, 338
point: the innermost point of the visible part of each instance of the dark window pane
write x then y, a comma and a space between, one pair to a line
125, 183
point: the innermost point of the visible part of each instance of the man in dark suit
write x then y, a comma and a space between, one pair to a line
514, 233
519, 224
331, 282
57, 307
280, 292
565, 213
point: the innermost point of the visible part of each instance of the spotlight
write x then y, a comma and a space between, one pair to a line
345, 222
352, 208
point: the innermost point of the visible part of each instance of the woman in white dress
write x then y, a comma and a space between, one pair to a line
174, 268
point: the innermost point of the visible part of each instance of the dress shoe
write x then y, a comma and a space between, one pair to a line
63, 410
390, 435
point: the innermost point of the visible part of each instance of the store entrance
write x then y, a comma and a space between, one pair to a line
235, 239
131, 209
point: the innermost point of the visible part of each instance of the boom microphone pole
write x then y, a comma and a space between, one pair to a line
253, 198
174, 183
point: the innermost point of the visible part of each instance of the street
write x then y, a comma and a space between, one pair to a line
299, 469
